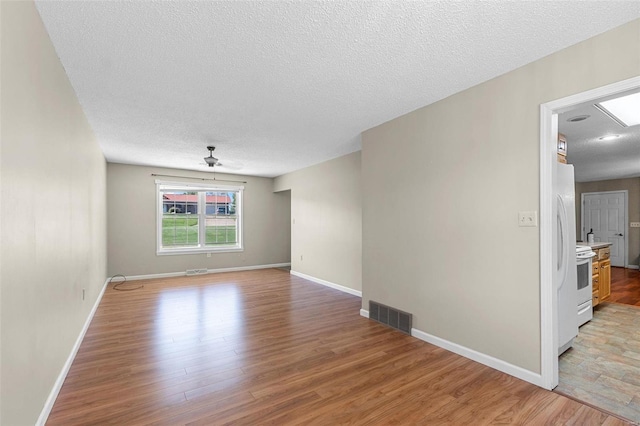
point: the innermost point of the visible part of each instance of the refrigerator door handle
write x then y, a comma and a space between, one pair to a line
563, 251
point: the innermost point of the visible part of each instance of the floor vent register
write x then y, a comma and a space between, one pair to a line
392, 317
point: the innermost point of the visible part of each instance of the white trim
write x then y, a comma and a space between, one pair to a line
327, 283
594, 94
487, 360
471, 354
625, 225
48, 405
209, 271
633, 267
548, 297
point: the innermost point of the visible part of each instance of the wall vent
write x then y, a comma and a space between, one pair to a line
197, 271
392, 317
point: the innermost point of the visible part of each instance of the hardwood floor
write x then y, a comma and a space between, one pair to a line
625, 286
265, 347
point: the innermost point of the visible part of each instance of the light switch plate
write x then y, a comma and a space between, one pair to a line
528, 218
635, 224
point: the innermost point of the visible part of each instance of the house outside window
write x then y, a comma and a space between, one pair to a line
198, 218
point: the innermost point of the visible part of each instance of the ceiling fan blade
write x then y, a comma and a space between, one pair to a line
232, 165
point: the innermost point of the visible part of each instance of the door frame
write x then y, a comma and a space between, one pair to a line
548, 145
625, 224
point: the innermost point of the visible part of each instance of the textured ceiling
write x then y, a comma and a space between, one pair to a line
278, 86
595, 159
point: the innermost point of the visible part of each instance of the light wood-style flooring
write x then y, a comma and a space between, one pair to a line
265, 347
603, 366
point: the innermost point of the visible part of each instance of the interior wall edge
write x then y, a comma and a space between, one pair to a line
489, 361
326, 283
326, 220
51, 399
209, 271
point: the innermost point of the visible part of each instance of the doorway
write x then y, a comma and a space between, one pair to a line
548, 250
606, 215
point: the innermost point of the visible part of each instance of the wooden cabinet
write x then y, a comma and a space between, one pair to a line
595, 281
605, 279
601, 275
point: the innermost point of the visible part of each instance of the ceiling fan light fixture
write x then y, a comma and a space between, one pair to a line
211, 160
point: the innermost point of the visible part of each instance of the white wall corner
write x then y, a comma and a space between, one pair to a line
327, 283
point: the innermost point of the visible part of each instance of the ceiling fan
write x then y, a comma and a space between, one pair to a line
211, 160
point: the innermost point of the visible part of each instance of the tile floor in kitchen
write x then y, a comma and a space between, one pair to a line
603, 366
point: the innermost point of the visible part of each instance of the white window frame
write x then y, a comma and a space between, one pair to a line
162, 186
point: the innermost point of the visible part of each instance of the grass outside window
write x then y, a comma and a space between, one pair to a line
182, 230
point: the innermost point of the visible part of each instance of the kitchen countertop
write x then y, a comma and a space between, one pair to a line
594, 245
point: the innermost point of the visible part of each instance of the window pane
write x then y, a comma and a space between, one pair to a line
221, 225
220, 230
179, 219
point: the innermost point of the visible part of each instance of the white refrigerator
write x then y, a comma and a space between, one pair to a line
566, 271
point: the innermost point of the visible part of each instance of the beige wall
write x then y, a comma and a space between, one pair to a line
458, 172
132, 224
53, 216
633, 186
326, 238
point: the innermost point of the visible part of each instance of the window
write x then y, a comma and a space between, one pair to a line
198, 218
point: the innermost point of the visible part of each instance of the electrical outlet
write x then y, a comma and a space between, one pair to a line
528, 218
208, 254
83, 292
300, 257
635, 224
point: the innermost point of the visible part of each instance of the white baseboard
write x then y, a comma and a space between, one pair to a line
327, 283
209, 271
633, 267
489, 361
48, 405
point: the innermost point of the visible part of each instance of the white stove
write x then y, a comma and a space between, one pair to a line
584, 256
582, 250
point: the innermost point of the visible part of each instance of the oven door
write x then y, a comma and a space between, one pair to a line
585, 293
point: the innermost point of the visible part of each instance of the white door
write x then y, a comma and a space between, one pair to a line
605, 212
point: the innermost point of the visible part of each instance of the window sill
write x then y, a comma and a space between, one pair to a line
198, 250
